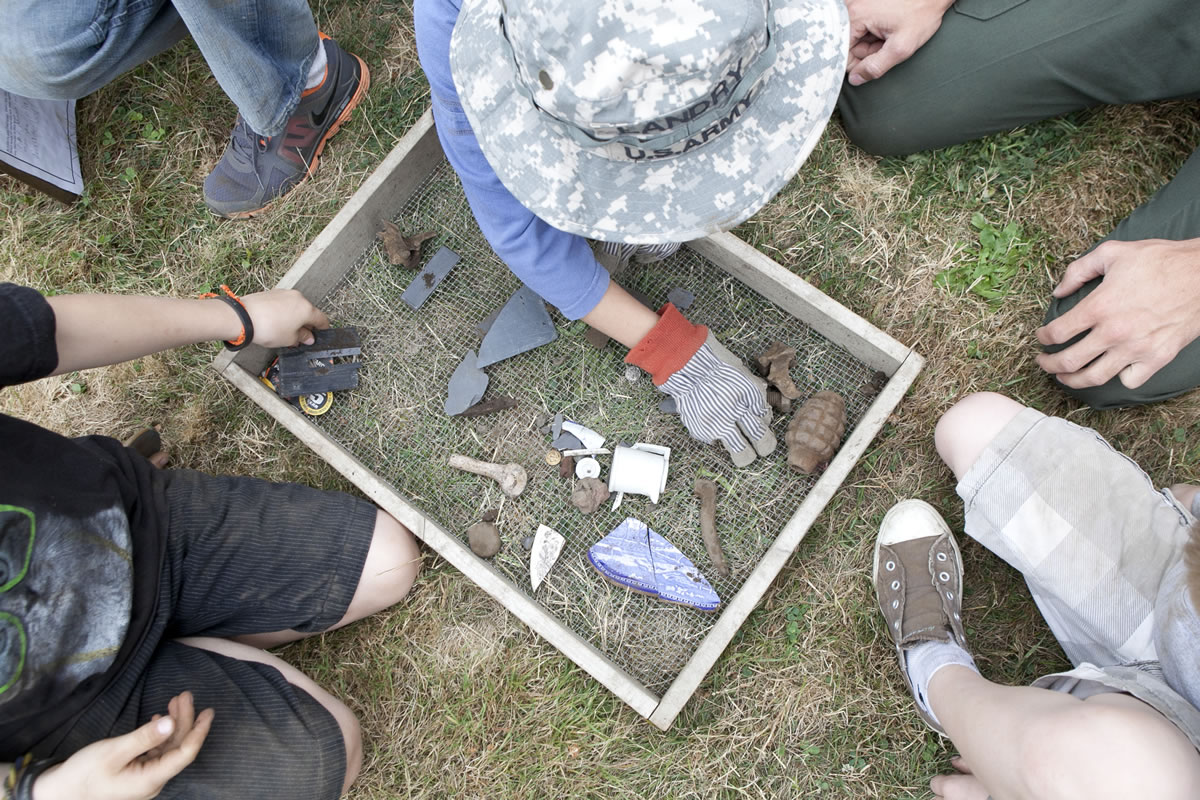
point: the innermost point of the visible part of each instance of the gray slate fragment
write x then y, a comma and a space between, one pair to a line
567, 441
668, 406
429, 277
467, 385
523, 324
556, 425
681, 298
486, 324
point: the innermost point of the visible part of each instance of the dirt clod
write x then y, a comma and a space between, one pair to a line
484, 538
589, 495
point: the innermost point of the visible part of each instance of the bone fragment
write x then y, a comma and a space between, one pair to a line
511, 477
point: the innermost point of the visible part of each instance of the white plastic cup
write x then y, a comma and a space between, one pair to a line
641, 469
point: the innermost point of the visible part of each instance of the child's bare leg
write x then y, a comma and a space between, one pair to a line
1023, 742
393, 561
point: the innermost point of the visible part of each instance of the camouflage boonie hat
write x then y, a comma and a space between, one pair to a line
647, 121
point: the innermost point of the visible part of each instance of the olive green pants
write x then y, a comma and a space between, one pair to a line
997, 64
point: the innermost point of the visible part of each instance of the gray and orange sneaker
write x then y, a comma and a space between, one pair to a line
256, 170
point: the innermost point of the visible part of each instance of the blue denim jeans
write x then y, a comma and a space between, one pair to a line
258, 50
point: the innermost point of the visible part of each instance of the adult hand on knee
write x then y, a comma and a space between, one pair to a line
1134, 322
135, 766
884, 33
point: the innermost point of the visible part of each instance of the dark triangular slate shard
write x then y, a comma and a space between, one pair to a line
467, 385
523, 324
567, 441
636, 557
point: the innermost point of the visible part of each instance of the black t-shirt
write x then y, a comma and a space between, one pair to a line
81, 527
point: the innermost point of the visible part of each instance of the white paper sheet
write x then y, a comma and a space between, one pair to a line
37, 139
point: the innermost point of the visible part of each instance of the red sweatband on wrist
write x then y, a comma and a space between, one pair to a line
669, 345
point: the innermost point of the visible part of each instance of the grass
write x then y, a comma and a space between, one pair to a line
457, 698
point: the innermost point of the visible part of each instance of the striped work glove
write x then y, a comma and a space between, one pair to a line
615, 256
719, 400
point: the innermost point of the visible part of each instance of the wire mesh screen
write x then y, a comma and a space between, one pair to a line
395, 424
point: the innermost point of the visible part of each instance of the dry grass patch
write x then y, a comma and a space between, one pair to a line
457, 699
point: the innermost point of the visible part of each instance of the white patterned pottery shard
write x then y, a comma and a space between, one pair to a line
678, 579
636, 557
547, 545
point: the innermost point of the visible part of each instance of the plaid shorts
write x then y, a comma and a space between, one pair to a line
1093, 538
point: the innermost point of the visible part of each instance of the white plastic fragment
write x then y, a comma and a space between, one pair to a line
587, 468
589, 437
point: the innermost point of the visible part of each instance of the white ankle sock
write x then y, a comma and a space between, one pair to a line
923, 662
316, 72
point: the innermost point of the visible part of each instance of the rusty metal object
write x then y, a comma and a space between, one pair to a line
566, 467
778, 402
706, 490
815, 433
776, 362
500, 402
589, 495
484, 538
403, 251
511, 477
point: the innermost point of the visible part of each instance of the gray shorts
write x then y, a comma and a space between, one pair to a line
242, 556
1094, 539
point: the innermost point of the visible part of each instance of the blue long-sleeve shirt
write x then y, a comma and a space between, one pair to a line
557, 265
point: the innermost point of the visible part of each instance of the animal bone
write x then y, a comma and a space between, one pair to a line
589, 495
776, 362
484, 538
816, 432
511, 477
706, 490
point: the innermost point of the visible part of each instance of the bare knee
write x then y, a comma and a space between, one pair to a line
1108, 749
969, 426
392, 564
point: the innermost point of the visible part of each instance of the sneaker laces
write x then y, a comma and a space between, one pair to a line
244, 142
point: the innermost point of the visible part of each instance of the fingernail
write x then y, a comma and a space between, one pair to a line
855, 80
165, 725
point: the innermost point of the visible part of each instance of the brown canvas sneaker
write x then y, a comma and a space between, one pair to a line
918, 581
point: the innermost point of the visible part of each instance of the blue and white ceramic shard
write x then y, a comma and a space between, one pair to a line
634, 556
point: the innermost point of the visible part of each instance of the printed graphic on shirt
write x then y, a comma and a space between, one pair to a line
65, 600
